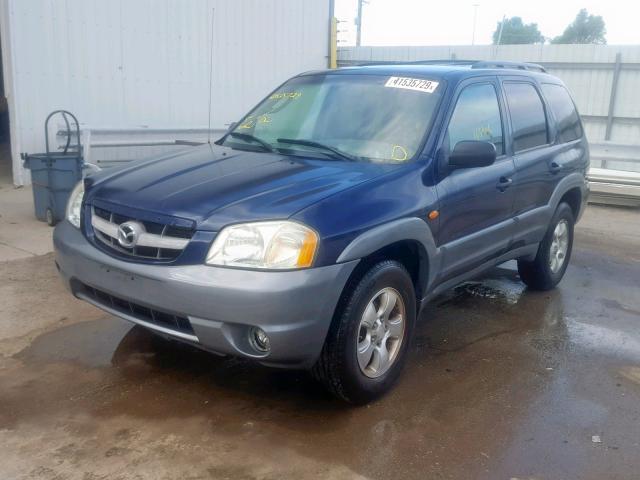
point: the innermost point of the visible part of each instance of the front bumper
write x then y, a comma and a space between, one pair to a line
294, 308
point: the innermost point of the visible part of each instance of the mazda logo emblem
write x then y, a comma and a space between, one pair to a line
128, 234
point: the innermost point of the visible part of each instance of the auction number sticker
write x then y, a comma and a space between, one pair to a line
418, 84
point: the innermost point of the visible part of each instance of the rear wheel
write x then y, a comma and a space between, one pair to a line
554, 252
367, 343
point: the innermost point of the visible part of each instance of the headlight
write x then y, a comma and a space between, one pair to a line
74, 204
268, 245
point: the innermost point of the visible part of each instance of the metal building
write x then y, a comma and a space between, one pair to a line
136, 64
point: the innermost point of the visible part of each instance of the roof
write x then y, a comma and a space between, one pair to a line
445, 69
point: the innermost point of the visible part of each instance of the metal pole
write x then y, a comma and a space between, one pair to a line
612, 97
213, 11
359, 23
475, 16
86, 145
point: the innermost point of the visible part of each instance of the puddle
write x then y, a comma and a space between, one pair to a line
615, 305
631, 373
603, 338
501, 284
90, 343
495, 289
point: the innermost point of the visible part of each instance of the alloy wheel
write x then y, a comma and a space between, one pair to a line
381, 332
559, 246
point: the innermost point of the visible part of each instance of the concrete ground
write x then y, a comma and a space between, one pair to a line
501, 383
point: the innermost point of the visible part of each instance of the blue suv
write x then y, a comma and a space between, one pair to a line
311, 234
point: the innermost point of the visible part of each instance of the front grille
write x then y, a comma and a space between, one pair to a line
149, 315
163, 242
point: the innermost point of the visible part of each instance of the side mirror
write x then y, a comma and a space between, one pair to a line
472, 154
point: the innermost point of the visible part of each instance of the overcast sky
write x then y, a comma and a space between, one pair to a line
450, 22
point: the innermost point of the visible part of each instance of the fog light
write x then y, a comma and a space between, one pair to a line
259, 339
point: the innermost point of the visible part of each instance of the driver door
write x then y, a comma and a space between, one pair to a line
476, 204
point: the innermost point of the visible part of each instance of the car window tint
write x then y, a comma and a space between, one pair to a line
564, 111
477, 117
528, 119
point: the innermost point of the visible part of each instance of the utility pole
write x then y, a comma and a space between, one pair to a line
475, 16
359, 22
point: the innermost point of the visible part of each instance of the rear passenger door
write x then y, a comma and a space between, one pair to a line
530, 139
475, 203
541, 153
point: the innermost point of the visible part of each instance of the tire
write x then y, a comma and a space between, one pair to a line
542, 273
339, 366
50, 218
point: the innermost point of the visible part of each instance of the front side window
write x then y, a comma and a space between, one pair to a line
564, 111
528, 119
364, 117
477, 117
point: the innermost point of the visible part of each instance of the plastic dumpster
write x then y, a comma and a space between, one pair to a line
54, 175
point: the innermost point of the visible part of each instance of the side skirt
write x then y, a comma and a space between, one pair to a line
528, 251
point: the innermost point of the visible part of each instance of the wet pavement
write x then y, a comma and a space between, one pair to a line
501, 383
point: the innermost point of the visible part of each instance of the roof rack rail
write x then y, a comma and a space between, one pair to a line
418, 62
443, 62
470, 63
515, 65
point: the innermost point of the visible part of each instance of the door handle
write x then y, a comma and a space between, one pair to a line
554, 167
504, 183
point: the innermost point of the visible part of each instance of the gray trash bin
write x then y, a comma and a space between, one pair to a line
53, 175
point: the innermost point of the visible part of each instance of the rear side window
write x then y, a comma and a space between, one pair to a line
528, 119
477, 117
564, 110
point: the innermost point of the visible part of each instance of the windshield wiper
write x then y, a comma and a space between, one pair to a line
322, 146
250, 138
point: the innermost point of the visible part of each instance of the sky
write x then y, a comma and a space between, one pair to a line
450, 22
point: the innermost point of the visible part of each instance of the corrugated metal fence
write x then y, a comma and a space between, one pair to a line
132, 63
604, 79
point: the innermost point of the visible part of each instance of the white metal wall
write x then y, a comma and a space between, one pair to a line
588, 71
126, 63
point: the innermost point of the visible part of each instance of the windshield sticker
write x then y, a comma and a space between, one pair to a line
292, 95
417, 84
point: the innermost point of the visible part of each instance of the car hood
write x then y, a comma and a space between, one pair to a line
214, 186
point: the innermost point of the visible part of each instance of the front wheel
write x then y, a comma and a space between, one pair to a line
367, 343
554, 252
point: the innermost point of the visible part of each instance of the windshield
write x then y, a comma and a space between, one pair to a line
342, 117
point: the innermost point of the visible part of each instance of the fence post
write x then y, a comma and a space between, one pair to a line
612, 98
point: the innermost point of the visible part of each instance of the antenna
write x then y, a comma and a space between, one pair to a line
213, 11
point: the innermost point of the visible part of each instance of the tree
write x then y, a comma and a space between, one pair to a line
584, 29
516, 32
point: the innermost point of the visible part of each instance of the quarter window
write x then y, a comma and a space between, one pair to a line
567, 119
477, 117
528, 119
